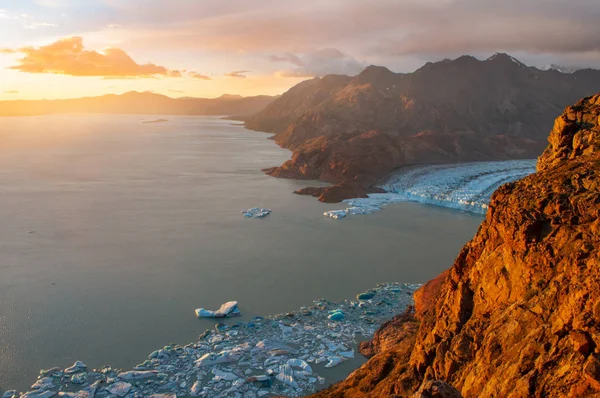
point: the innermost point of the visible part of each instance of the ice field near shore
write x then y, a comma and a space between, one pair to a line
278, 355
462, 186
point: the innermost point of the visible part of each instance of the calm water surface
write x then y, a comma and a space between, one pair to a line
112, 232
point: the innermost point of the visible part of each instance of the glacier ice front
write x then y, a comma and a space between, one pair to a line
462, 186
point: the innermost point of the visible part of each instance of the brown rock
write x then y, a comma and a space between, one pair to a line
437, 389
591, 371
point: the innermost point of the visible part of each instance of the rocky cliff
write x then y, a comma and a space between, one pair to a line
353, 130
518, 314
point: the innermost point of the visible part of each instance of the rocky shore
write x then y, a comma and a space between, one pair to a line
518, 314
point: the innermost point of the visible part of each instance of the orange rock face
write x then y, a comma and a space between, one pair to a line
518, 314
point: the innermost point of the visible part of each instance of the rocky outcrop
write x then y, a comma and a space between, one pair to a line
361, 128
518, 314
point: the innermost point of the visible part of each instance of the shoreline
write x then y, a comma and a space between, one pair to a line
291, 354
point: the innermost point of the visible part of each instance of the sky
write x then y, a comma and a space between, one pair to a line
206, 48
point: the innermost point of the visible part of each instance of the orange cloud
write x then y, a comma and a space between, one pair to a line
69, 57
197, 75
240, 74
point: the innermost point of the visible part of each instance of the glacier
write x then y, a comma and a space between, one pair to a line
462, 186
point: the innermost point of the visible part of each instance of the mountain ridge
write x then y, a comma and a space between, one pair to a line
140, 103
449, 111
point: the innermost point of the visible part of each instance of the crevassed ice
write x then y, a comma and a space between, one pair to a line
462, 186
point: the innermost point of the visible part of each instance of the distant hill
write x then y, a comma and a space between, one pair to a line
140, 103
354, 130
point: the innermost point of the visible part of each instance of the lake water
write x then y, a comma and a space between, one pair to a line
113, 231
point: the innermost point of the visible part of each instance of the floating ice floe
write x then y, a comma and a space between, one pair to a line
462, 186
256, 212
119, 388
45, 383
280, 355
77, 367
229, 309
137, 375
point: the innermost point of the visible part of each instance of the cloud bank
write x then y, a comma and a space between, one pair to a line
239, 74
318, 63
69, 57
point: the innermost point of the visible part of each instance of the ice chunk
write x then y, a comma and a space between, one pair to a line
137, 374
366, 296
334, 361
88, 392
45, 383
77, 367
229, 309
337, 315
79, 378
54, 372
270, 345
10, 394
120, 388
38, 394
221, 375
286, 376
211, 359
256, 212
196, 388
347, 354
336, 214
299, 363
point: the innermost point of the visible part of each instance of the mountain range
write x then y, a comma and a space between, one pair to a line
140, 103
352, 131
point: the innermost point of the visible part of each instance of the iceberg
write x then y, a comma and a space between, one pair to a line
228, 309
256, 212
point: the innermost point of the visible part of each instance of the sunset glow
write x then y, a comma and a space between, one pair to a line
73, 48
